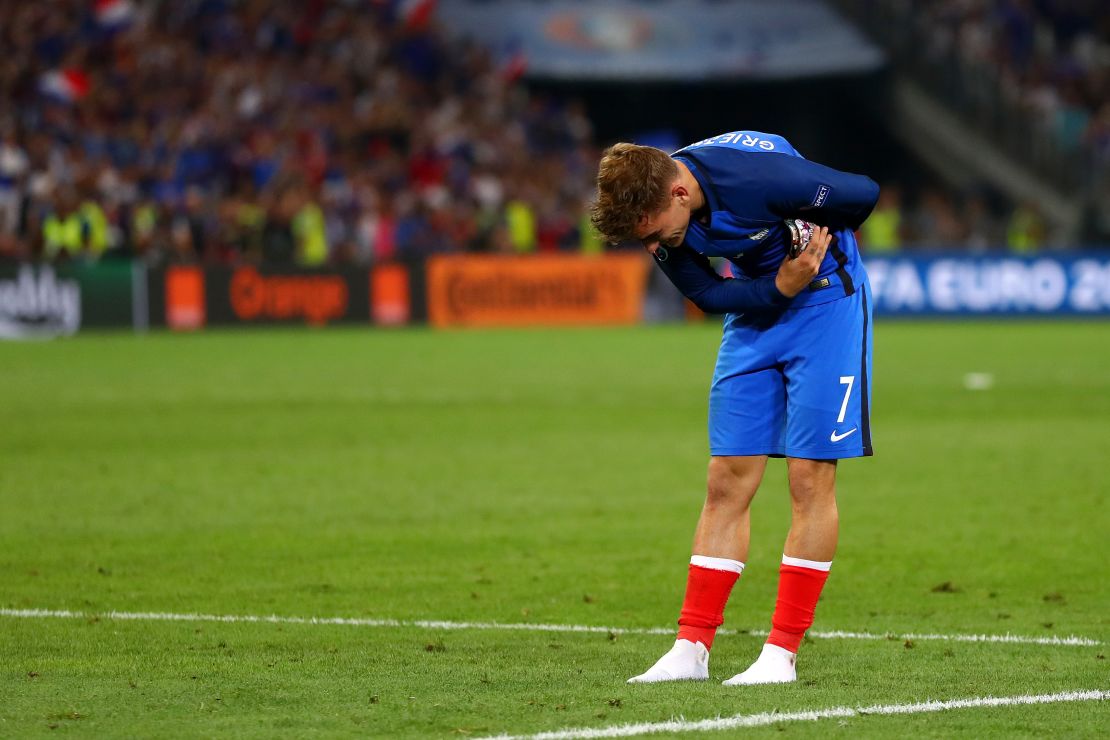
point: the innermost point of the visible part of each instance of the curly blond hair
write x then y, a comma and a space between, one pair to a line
632, 180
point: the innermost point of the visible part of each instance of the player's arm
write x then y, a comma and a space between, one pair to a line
802, 189
696, 279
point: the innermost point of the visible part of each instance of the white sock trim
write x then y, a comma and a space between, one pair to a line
811, 564
704, 561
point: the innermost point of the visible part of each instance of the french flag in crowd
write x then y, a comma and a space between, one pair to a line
114, 15
65, 85
414, 14
514, 62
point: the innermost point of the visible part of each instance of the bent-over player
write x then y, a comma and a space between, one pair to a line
793, 373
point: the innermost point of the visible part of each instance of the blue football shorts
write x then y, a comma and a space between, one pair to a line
798, 385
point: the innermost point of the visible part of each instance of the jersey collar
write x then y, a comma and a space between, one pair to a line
703, 182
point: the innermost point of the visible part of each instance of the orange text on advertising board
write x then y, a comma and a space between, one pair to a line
316, 298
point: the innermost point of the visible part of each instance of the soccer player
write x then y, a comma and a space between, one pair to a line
793, 374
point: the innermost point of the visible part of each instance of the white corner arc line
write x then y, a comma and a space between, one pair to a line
774, 718
1071, 640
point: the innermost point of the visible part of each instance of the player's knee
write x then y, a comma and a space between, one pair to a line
731, 484
812, 486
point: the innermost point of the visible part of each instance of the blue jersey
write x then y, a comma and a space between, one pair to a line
752, 182
790, 380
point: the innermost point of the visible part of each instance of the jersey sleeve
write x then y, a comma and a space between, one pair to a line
798, 188
692, 274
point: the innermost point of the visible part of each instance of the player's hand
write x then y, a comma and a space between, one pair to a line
795, 274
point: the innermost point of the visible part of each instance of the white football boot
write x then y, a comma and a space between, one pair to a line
774, 665
686, 661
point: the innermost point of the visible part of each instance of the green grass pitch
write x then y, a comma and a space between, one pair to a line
511, 476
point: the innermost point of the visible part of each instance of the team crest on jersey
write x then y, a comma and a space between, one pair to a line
822, 193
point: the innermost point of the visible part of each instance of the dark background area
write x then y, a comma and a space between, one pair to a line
838, 121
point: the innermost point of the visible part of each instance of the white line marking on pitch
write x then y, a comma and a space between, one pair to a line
774, 718
520, 626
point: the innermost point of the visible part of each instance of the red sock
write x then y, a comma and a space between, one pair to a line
707, 590
800, 584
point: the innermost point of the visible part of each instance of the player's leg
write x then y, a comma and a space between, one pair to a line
814, 520
724, 525
746, 413
719, 551
807, 558
828, 371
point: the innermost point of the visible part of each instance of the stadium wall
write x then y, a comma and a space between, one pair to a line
471, 290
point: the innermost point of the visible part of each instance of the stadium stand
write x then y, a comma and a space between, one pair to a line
309, 132
358, 132
1031, 77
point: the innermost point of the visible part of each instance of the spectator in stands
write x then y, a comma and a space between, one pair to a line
309, 230
520, 220
63, 231
1026, 231
589, 240
936, 224
94, 222
1097, 135
14, 166
278, 243
882, 231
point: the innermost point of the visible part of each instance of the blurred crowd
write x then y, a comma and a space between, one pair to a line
308, 132
1051, 56
357, 131
931, 218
